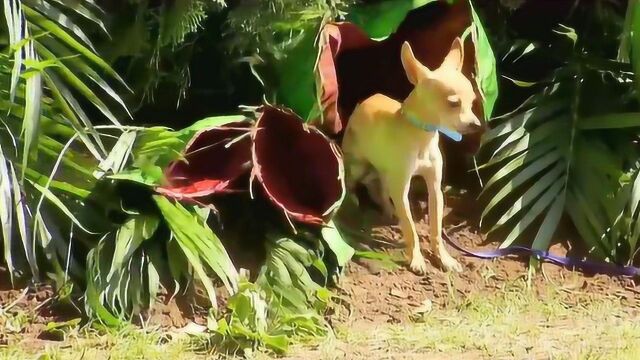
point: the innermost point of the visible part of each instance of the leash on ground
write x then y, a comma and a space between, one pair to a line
572, 263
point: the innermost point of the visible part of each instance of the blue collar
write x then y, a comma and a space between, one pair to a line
453, 135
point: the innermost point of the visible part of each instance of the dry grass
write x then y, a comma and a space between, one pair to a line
506, 325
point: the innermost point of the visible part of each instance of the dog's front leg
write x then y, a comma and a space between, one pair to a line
433, 178
398, 186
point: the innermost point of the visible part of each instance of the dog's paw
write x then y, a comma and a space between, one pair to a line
418, 266
449, 263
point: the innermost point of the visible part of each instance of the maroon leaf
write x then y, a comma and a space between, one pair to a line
212, 163
299, 168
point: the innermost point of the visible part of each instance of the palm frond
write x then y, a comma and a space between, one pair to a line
553, 156
121, 275
50, 69
51, 50
200, 246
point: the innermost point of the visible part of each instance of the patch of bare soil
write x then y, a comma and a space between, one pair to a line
378, 294
25, 313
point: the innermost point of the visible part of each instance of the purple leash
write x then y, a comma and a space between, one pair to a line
610, 269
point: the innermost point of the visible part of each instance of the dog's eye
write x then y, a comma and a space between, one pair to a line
454, 101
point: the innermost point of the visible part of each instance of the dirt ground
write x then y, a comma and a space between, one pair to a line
378, 294
374, 294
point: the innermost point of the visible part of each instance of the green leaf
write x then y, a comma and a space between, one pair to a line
611, 121
538, 207
569, 32
485, 65
22, 219
523, 176
119, 155
78, 8
543, 185
6, 213
594, 218
543, 135
379, 20
79, 65
51, 12
520, 83
14, 19
65, 101
46, 24
550, 223
79, 85
297, 251
515, 164
31, 121
59, 204
337, 244
209, 122
514, 136
584, 227
128, 239
199, 244
140, 176
279, 271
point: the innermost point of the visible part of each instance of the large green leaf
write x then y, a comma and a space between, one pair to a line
337, 244
486, 77
633, 37
611, 121
381, 19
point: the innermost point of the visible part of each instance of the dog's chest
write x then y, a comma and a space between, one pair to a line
428, 156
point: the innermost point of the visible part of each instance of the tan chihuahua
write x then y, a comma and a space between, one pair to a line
386, 143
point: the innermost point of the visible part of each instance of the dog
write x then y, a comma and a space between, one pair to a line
387, 142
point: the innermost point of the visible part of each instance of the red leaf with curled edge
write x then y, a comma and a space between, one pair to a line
213, 162
351, 66
299, 168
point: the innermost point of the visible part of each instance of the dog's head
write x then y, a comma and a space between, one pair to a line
443, 96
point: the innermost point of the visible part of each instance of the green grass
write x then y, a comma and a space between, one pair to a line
511, 323
126, 344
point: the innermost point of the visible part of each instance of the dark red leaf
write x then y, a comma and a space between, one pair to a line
212, 162
299, 168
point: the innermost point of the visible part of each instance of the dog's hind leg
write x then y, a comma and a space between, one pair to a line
356, 169
379, 193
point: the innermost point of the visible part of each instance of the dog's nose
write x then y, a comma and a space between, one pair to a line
476, 122
473, 127
476, 126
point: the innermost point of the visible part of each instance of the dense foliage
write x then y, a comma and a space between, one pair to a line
570, 147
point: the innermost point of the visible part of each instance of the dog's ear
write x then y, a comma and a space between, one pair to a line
414, 69
455, 57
